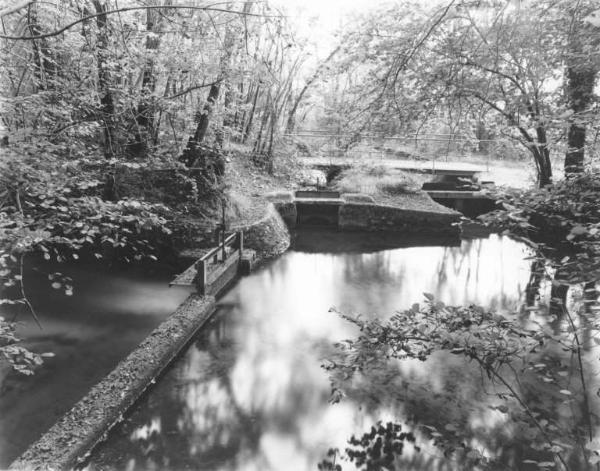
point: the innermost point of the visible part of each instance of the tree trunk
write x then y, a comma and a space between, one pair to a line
291, 121
40, 50
258, 144
269, 154
580, 91
227, 117
532, 290
544, 167
107, 106
204, 118
541, 154
145, 110
558, 298
190, 154
239, 115
248, 127
482, 135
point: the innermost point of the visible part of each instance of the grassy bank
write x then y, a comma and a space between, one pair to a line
387, 186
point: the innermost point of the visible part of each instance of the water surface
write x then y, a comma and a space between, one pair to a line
108, 315
250, 393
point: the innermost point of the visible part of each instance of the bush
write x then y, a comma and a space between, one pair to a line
377, 180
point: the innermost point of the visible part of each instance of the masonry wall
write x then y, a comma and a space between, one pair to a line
373, 217
288, 212
269, 236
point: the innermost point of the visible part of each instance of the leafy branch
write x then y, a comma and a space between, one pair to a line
497, 344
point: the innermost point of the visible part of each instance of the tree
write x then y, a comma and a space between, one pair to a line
581, 73
291, 120
501, 63
82, 82
107, 106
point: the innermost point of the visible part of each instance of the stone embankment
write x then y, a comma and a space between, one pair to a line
74, 436
357, 212
70, 441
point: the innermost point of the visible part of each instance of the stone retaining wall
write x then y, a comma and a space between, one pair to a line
288, 212
73, 437
359, 212
374, 217
269, 237
68, 443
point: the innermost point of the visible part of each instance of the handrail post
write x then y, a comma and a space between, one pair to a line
201, 276
240, 244
223, 250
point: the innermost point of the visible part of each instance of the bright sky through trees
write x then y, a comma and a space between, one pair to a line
321, 18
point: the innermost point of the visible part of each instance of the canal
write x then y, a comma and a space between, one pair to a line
250, 392
110, 312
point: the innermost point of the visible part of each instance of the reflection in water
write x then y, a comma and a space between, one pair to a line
250, 394
108, 315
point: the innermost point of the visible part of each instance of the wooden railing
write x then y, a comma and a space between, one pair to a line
232, 246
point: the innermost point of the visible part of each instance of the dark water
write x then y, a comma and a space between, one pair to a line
250, 394
89, 332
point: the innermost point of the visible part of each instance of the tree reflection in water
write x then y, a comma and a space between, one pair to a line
250, 393
456, 414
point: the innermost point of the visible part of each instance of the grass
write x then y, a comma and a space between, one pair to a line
377, 180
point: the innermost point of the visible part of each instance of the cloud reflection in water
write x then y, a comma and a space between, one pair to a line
250, 393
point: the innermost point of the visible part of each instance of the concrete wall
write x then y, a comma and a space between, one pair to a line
313, 213
288, 212
373, 217
360, 214
74, 436
223, 276
470, 207
67, 444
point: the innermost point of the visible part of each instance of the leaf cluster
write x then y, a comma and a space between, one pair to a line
562, 219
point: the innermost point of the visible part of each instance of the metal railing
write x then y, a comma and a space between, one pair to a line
424, 147
233, 245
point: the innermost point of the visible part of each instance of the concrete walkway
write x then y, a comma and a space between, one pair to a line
518, 175
422, 166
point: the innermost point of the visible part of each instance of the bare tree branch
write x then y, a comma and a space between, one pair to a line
192, 88
15, 8
120, 10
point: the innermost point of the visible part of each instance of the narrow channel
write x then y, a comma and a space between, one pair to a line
250, 393
110, 312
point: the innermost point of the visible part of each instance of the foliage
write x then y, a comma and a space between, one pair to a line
563, 218
509, 353
374, 450
99, 99
376, 180
21, 359
53, 210
488, 72
136, 79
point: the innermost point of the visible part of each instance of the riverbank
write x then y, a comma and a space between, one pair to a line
75, 434
250, 191
249, 210
69, 441
110, 312
250, 391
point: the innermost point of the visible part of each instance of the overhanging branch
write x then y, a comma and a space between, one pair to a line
121, 10
15, 8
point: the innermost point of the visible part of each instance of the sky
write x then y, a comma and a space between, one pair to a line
328, 10
321, 18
